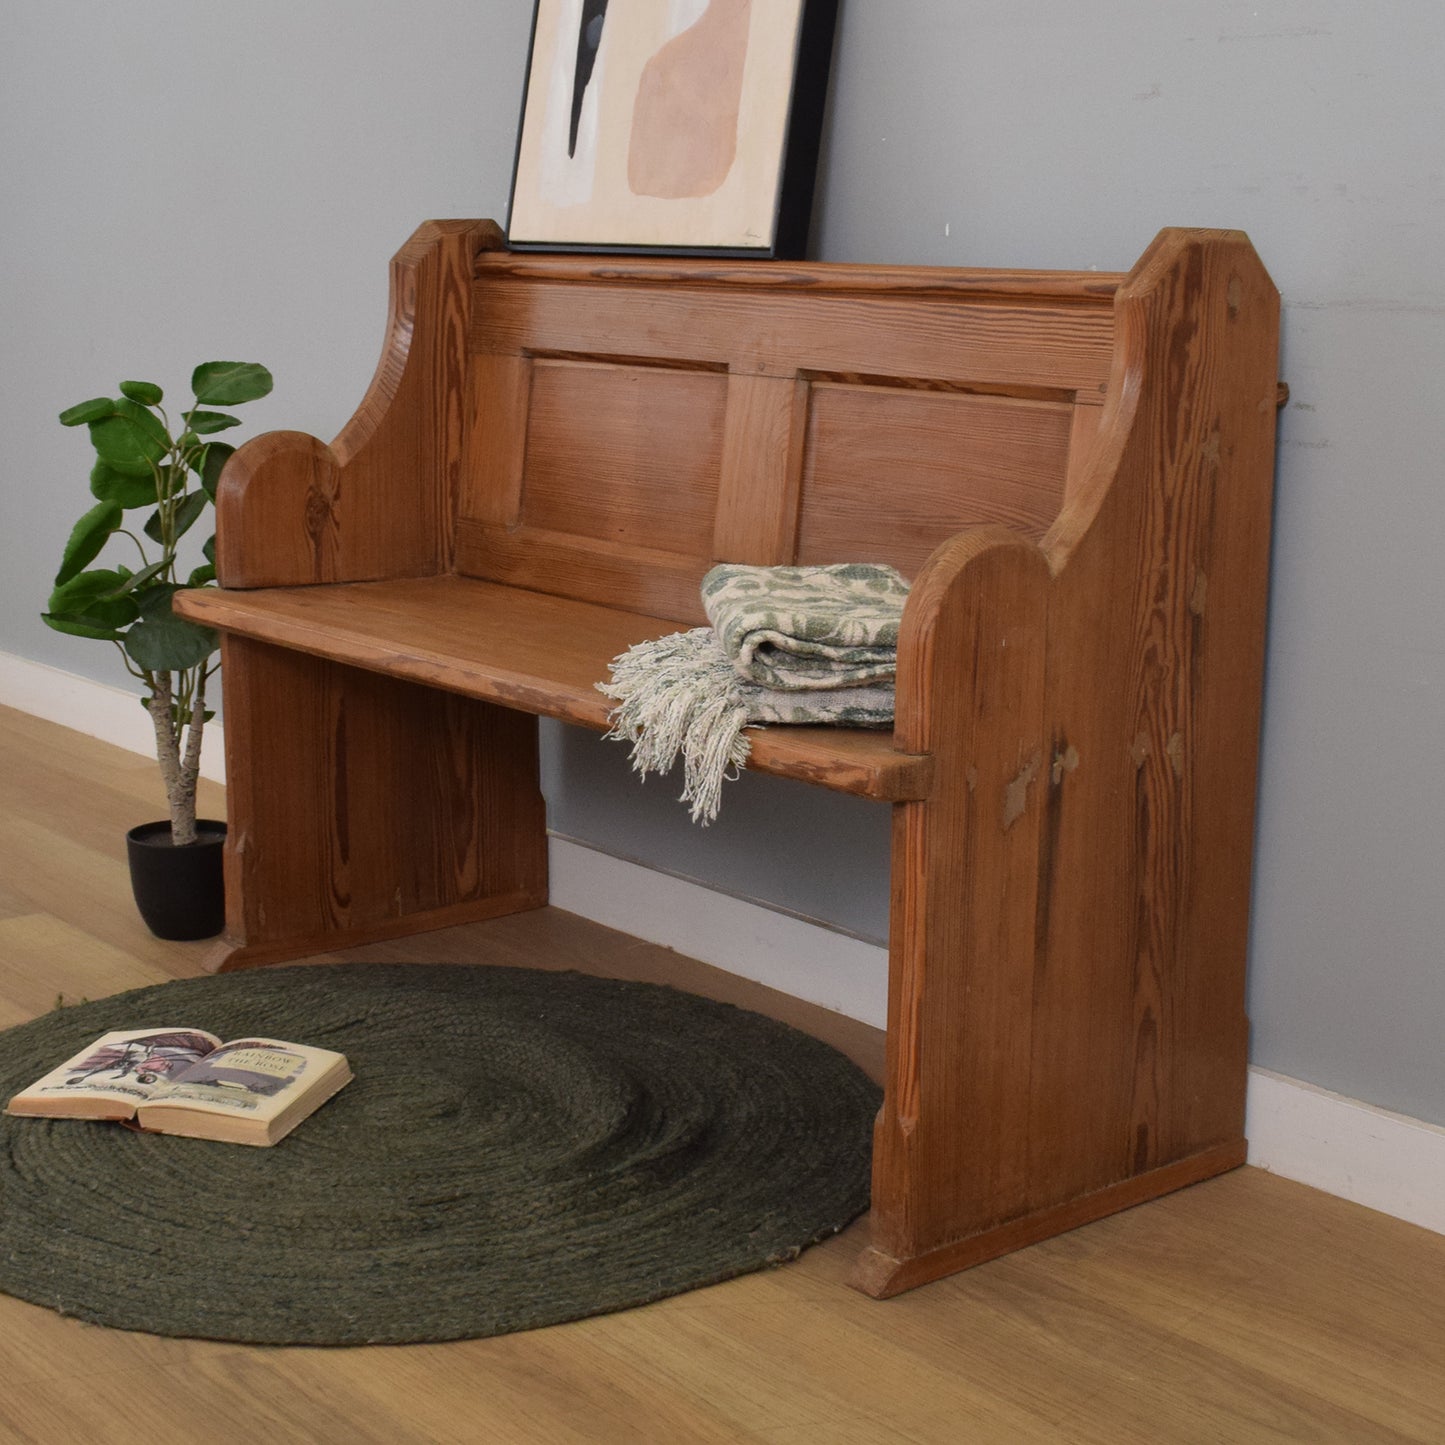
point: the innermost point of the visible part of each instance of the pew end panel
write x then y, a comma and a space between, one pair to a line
379, 501
1067, 1029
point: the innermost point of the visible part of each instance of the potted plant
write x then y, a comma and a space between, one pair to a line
144, 465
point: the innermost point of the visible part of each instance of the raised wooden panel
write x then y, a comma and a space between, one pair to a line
943, 461
603, 487
624, 454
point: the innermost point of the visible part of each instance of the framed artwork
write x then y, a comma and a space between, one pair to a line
671, 125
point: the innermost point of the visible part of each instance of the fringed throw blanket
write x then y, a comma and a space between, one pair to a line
786, 645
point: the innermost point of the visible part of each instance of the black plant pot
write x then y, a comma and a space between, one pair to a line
179, 891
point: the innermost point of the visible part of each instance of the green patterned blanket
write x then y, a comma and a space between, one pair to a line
786, 645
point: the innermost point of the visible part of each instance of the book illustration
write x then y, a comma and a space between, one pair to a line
147, 1058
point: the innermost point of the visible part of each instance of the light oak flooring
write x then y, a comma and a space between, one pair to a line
1244, 1309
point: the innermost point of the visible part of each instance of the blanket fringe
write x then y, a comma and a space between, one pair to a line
678, 695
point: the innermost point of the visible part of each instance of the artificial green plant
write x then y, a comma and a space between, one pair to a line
142, 465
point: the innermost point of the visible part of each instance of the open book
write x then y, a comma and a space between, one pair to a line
186, 1081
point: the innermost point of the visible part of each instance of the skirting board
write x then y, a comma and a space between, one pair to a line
1342, 1146
1382, 1160
795, 955
112, 714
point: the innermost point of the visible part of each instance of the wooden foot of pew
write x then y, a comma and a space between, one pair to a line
882, 1275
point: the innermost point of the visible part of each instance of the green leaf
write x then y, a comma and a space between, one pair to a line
209, 550
188, 511
213, 460
87, 537
81, 593
147, 393
229, 383
203, 423
132, 440
113, 616
87, 411
155, 601
139, 579
91, 600
182, 520
125, 491
169, 644
201, 576
81, 629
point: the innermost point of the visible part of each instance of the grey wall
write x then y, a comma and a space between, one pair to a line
181, 181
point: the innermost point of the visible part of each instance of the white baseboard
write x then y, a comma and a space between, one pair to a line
1386, 1161
1347, 1148
113, 714
805, 959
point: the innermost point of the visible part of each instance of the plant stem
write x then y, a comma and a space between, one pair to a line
180, 799
191, 762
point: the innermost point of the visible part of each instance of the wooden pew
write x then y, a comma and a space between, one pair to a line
1074, 469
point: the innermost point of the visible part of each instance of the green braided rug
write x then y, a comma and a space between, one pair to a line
518, 1148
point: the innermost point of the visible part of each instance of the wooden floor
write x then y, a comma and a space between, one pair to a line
1244, 1309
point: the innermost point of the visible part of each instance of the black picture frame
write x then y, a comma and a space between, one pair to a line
656, 195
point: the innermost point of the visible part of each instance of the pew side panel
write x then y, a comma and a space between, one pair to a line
363, 807
380, 500
1067, 1033
964, 903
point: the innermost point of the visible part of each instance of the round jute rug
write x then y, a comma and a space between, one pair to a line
518, 1149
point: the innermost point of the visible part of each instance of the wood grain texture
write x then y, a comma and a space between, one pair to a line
762, 461
609, 484
624, 454
380, 501
1098, 1026
501, 399
393, 809
947, 1161
632, 428
1246, 1308
627, 577
1077, 473
1083, 429
523, 650
828, 277
945, 461
1036, 344
882, 1276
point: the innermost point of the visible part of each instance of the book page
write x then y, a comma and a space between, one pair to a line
129, 1066
255, 1077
